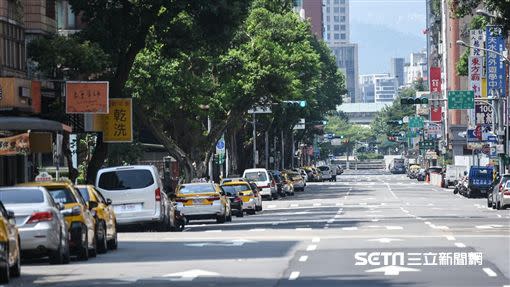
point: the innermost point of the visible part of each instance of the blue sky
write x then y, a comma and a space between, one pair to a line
401, 22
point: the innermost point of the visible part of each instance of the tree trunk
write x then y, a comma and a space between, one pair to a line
97, 160
73, 172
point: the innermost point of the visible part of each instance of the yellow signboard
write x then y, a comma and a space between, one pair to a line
118, 123
484, 88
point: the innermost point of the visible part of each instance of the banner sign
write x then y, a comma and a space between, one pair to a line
18, 144
476, 39
496, 72
87, 97
435, 80
118, 123
483, 114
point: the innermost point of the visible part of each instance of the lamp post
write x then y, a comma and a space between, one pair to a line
507, 61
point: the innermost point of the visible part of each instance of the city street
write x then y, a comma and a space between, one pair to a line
311, 240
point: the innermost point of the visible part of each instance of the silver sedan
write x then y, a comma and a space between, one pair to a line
41, 225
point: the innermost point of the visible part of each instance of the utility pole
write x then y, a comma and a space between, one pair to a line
266, 150
254, 141
293, 150
210, 164
283, 149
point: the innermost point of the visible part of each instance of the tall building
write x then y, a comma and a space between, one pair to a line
416, 69
336, 35
397, 70
313, 12
386, 89
367, 86
12, 40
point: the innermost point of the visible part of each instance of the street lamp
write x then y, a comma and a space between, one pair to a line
485, 13
507, 60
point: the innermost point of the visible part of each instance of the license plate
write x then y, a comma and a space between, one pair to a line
128, 207
198, 201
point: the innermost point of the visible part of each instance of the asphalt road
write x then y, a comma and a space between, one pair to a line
368, 229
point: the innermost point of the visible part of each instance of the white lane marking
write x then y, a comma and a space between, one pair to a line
338, 216
331, 221
275, 223
428, 222
257, 229
303, 229
311, 247
489, 272
460, 244
294, 275
350, 228
216, 230
294, 205
303, 258
339, 204
391, 191
450, 238
394, 227
375, 220
326, 227
271, 206
317, 204
385, 240
316, 240
498, 215
488, 226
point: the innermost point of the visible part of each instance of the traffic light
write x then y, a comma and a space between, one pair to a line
414, 101
394, 123
301, 104
392, 139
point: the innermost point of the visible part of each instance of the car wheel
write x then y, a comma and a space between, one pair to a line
251, 212
83, 252
15, 271
113, 243
67, 253
4, 272
57, 256
229, 217
489, 204
240, 213
220, 219
259, 208
498, 205
102, 244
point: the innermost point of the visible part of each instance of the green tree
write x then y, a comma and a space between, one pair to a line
499, 7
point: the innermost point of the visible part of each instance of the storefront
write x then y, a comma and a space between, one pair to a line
25, 142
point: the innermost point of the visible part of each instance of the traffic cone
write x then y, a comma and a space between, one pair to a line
427, 178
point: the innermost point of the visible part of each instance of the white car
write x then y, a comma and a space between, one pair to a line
203, 201
326, 172
137, 196
503, 196
263, 180
42, 227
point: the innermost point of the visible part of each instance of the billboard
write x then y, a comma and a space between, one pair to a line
496, 71
118, 123
87, 97
18, 144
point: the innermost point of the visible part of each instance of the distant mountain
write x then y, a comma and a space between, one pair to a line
377, 44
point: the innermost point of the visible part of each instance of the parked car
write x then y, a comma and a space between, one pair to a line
498, 190
241, 196
302, 172
288, 185
412, 171
297, 181
106, 222
10, 258
138, 196
79, 219
480, 180
256, 193
317, 175
277, 176
203, 201
264, 181
41, 225
503, 198
326, 172
310, 175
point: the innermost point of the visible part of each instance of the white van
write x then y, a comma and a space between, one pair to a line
137, 195
264, 181
326, 172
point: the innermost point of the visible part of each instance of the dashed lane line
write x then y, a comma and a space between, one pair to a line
303, 258
311, 247
316, 240
450, 238
294, 275
489, 272
460, 244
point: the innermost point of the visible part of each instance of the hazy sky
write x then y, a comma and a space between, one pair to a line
400, 19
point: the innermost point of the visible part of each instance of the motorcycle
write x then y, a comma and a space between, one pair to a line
462, 186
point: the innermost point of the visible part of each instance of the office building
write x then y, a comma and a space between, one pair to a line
416, 69
397, 70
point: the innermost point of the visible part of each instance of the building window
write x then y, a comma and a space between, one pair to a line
342, 10
335, 9
342, 36
337, 2
13, 42
327, 18
342, 19
337, 19
327, 10
342, 2
50, 9
337, 36
342, 27
336, 27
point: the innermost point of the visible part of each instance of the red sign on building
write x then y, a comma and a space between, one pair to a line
436, 112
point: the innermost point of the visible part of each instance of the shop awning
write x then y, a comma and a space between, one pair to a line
33, 124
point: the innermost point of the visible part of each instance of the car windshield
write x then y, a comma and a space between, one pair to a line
126, 179
62, 195
256, 176
235, 189
84, 193
21, 195
323, 168
197, 188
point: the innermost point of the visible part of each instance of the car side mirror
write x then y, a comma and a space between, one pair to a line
222, 193
60, 206
108, 201
10, 214
93, 204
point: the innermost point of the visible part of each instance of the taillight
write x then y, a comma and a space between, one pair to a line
507, 192
213, 198
40, 216
181, 200
238, 199
273, 183
158, 194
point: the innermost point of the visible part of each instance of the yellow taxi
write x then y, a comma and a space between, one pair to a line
242, 198
287, 183
9, 246
203, 201
106, 222
79, 218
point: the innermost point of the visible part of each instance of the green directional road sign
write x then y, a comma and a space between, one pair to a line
427, 144
461, 100
416, 122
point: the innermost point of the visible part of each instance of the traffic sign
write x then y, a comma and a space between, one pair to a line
461, 100
416, 122
426, 144
260, 110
